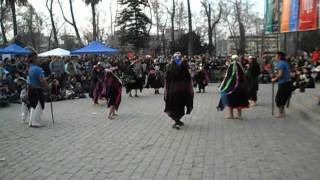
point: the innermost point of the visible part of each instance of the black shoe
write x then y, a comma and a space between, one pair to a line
180, 123
136, 95
176, 126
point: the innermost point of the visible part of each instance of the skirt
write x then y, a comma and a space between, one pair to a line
238, 99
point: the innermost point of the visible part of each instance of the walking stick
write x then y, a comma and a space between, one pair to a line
272, 99
288, 102
51, 109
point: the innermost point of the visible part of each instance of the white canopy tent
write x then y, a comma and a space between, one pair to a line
55, 52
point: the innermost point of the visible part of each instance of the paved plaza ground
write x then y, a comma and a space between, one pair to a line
141, 145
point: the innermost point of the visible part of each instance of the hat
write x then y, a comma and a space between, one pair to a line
234, 57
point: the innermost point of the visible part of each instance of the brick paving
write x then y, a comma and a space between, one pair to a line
141, 145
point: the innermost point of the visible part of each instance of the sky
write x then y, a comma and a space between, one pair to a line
83, 12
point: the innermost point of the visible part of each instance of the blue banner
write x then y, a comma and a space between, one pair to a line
294, 15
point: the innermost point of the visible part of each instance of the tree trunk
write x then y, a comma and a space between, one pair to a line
3, 30
242, 49
262, 43
74, 23
172, 26
190, 42
215, 41
210, 46
30, 26
49, 41
54, 29
242, 43
157, 21
163, 42
14, 18
94, 25
151, 18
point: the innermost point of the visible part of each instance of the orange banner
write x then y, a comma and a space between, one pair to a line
308, 16
285, 19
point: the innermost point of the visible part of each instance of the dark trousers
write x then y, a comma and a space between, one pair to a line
283, 94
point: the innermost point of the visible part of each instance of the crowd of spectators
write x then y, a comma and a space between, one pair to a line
70, 77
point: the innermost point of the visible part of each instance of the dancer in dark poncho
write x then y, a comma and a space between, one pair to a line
178, 90
113, 88
252, 80
233, 89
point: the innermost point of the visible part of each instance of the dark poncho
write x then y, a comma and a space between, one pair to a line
252, 80
113, 90
178, 91
233, 89
252, 74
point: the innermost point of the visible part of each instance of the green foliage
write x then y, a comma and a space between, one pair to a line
198, 46
133, 23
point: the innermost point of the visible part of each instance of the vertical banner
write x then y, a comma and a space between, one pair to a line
308, 15
319, 14
294, 15
276, 16
268, 16
285, 18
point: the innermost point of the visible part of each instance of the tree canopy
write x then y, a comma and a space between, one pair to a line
133, 23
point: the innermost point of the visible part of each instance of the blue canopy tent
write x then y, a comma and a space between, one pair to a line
95, 48
2, 51
16, 50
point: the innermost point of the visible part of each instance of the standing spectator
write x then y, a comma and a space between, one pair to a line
57, 68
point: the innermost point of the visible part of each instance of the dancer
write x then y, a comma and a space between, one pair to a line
36, 84
178, 90
233, 89
284, 83
155, 79
113, 92
97, 76
252, 75
202, 79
